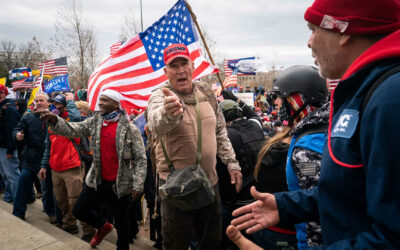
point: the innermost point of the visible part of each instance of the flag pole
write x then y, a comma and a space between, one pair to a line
204, 40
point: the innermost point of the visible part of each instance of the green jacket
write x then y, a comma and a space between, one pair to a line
132, 160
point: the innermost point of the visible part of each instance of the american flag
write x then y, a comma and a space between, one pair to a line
24, 83
227, 69
54, 67
115, 47
137, 67
231, 80
332, 84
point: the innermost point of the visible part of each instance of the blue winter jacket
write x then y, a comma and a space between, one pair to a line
357, 200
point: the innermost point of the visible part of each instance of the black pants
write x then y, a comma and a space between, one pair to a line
86, 209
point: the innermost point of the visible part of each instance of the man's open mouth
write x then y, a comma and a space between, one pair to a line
182, 80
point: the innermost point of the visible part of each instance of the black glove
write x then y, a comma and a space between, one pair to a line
229, 95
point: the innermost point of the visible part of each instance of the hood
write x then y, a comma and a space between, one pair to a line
387, 47
317, 117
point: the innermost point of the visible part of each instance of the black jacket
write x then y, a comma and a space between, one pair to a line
9, 118
35, 131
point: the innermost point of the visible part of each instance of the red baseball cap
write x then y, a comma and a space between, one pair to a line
3, 89
175, 50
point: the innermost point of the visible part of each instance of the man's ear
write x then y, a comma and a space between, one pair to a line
165, 69
344, 39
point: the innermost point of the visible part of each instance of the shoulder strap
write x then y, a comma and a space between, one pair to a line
206, 90
321, 128
76, 147
199, 140
376, 84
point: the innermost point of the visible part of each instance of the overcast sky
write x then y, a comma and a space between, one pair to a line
273, 30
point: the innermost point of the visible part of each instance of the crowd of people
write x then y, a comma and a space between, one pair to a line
304, 173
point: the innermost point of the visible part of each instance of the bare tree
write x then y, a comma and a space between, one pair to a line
215, 53
32, 53
212, 45
130, 27
75, 37
7, 49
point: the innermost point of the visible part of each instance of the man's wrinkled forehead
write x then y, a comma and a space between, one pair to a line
177, 59
41, 96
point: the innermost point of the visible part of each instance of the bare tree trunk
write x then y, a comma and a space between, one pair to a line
75, 38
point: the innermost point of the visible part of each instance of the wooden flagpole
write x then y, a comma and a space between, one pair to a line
204, 40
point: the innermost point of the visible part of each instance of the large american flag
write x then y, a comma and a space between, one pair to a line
137, 67
54, 67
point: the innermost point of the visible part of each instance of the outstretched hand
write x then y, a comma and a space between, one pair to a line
172, 106
48, 116
260, 214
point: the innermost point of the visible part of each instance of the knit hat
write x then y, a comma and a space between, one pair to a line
3, 89
175, 50
355, 17
113, 95
83, 106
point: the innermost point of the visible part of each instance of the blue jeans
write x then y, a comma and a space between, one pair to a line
10, 173
23, 193
49, 201
269, 239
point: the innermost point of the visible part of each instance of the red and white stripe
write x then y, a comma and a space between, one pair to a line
332, 84
231, 81
115, 47
227, 70
52, 68
21, 84
130, 73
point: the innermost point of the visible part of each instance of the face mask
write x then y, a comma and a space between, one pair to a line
284, 113
56, 111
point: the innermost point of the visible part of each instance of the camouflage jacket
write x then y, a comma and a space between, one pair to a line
307, 165
132, 159
160, 124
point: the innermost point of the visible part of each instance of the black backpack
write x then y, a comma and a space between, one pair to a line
251, 141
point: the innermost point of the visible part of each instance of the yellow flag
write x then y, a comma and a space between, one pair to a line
3, 81
36, 72
33, 94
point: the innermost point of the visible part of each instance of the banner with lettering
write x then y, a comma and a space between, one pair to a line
57, 84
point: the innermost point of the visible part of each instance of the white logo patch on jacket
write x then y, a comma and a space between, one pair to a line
346, 124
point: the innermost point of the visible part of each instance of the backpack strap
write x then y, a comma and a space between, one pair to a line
206, 90
375, 86
321, 128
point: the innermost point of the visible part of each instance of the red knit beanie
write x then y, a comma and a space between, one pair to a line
356, 17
